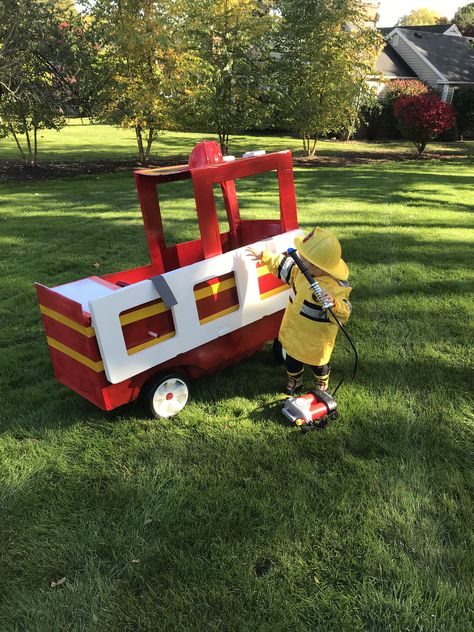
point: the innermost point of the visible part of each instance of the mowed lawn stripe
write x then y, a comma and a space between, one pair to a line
225, 519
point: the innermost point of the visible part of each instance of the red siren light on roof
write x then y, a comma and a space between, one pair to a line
207, 152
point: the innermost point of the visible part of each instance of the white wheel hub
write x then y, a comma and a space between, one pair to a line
170, 397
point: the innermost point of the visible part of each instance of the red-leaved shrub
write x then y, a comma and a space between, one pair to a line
405, 87
422, 117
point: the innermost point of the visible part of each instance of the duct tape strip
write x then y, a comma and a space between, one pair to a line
164, 290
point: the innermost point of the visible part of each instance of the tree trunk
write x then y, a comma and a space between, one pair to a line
35, 141
420, 147
305, 145
30, 150
224, 142
148, 145
309, 151
20, 148
138, 132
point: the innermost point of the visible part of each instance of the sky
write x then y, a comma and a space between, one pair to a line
391, 11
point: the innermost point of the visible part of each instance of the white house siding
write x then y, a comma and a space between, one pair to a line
448, 93
381, 87
424, 72
453, 30
376, 86
382, 92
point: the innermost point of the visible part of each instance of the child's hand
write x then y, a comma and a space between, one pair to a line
324, 297
256, 255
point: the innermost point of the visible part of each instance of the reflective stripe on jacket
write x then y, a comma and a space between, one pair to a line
308, 332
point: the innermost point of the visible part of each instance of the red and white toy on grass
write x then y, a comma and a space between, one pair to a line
197, 307
312, 411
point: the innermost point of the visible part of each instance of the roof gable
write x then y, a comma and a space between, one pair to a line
452, 56
442, 29
390, 64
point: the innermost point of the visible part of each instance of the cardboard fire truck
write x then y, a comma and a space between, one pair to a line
198, 307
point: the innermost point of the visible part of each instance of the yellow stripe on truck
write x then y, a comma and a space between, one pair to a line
82, 329
224, 312
214, 289
150, 343
140, 314
276, 290
136, 315
262, 271
98, 366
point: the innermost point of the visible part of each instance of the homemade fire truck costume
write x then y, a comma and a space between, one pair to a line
197, 307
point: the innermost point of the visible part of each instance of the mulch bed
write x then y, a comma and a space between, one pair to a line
362, 158
15, 171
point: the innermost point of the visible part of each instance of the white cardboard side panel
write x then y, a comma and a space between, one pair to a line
190, 333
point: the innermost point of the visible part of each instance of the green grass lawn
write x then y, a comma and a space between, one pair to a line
224, 519
77, 142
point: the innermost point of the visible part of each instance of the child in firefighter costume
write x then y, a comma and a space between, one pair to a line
308, 332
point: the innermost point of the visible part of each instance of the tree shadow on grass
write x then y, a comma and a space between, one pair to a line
168, 522
414, 377
26, 364
99, 235
46, 255
173, 524
398, 248
394, 186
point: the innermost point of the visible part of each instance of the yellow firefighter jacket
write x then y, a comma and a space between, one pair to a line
308, 332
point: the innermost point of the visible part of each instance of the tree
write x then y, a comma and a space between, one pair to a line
32, 87
420, 17
463, 102
83, 65
365, 107
66, 7
148, 71
231, 41
464, 19
422, 117
326, 53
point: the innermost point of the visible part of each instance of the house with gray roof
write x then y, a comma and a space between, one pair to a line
438, 55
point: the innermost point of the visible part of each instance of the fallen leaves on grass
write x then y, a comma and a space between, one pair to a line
58, 582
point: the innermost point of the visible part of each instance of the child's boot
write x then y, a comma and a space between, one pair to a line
321, 382
295, 382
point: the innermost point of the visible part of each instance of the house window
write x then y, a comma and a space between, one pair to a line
395, 39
